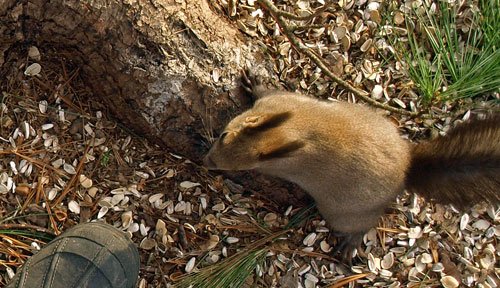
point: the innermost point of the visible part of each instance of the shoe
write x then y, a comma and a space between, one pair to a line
87, 255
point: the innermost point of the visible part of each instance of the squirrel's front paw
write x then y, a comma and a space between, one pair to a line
346, 243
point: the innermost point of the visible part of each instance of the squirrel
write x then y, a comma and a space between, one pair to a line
353, 161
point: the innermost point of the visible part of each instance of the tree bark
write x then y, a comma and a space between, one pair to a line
166, 68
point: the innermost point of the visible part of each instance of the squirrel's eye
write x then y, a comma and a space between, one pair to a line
222, 136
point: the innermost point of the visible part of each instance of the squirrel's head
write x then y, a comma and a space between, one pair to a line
251, 140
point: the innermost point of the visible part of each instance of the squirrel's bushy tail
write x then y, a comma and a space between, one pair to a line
461, 168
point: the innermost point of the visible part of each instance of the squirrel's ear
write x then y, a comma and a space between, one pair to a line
263, 122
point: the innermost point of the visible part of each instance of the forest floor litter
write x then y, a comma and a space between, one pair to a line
65, 160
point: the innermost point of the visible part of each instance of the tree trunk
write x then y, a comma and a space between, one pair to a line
167, 68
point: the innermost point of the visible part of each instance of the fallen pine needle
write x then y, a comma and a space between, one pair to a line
347, 280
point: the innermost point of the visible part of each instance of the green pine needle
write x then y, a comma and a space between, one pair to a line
26, 233
230, 273
443, 61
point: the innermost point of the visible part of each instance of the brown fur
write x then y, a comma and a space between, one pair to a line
352, 161
461, 168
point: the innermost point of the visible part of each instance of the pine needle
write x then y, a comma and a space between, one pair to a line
233, 271
443, 61
347, 280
